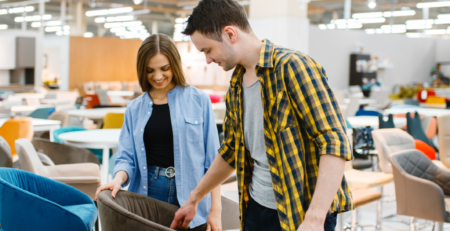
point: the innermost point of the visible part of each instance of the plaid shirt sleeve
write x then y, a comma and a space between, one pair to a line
316, 106
227, 150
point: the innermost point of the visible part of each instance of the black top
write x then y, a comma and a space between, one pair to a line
158, 138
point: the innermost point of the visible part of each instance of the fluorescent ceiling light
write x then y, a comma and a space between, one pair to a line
443, 16
434, 32
370, 31
322, 26
350, 26
59, 33
122, 24
120, 18
343, 21
137, 2
415, 35
88, 34
109, 12
433, 4
331, 26
3, 26
400, 13
371, 20
33, 18
52, 28
100, 20
420, 22
3, 11
418, 26
372, 4
395, 29
35, 24
53, 23
442, 21
117, 29
368, 15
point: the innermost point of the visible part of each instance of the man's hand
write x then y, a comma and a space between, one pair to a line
214, 221
184, 215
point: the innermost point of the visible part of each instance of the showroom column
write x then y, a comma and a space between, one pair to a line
283, 22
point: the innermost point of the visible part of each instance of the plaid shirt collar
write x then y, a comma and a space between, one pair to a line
266, 60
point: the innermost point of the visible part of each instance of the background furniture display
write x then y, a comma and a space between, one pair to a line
414, 128
63, 153
85, 176
444, 142
113, 120
421, 188
16, 128
357, 73
5, 154
42, 204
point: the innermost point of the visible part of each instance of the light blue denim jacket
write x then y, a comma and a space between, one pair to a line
195, 143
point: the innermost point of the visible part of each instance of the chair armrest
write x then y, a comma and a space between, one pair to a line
74, 170
77, 180
424, 199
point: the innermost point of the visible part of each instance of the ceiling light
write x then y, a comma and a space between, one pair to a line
350, 26
419, 24
3, 26
371, 4
100, 20
395, 29
137, 2
415, 35
436, 32
59, 33
122, 24
120, 18
109, 12
433, 4
370, 31
442, 21
400, 13
443, 16
88, 34
53, 23
371, 20
322, 26
331, 26
35, 24
33, 18
368, 15
52, 28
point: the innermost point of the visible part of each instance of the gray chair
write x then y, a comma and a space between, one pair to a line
63, 153
421, 188
132, 211
5, 154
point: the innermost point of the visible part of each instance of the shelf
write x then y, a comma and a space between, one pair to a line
386, 66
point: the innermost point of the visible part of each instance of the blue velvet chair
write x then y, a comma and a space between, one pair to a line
362, 112
32, 202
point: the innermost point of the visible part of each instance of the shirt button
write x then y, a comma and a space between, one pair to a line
241, 169
149, 113
142, 149
144, 167
150, 103
142, 129
195, 122
145, 187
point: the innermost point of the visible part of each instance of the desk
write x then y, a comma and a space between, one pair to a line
96, 113
41, 125
422, 111
372, 121
105, 139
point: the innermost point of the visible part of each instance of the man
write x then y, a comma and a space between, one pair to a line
282, 120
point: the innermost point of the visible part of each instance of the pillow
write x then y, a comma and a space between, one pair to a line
425, 149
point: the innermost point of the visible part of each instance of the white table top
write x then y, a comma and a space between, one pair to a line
120, 93
98, 136
36, 122
362, 101
96, 113
422, 111
363, 121
27, 108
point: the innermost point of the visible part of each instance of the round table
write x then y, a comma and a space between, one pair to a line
96, 113
105, 139
372, 121
421, 111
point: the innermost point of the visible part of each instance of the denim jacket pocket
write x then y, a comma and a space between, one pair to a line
194, 129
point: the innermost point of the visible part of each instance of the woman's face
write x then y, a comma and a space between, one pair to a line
159, 72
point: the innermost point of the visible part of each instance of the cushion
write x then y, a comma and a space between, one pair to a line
425, 149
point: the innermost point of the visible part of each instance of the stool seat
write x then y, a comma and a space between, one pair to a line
365, 196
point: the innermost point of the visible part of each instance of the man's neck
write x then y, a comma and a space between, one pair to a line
250, 50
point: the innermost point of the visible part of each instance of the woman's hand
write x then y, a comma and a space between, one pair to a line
214, 221
114, 185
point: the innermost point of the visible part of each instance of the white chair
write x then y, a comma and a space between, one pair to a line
443, 122
353, 106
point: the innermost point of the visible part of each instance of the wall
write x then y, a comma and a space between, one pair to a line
412, 57
56, 49
102, 59
443, 50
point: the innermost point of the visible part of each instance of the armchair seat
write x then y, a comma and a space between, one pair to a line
357, 179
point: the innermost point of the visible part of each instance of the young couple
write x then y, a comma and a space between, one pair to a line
282, 120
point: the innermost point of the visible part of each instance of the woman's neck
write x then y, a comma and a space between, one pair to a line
159, 96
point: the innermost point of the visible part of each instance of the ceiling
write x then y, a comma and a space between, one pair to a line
165, 12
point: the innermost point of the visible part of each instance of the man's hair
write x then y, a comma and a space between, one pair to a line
211, 16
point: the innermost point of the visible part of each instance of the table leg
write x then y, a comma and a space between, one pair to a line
105, 165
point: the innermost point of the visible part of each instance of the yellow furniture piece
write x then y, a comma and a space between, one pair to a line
113, 120
16, 128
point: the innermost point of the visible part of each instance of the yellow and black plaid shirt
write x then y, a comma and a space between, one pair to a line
302, 121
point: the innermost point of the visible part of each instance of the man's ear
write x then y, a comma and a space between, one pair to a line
230, 33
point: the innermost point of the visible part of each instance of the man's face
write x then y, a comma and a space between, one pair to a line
221, 53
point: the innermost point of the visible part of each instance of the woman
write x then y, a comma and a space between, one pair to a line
169, 136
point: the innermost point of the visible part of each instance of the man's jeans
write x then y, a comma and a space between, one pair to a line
260, 218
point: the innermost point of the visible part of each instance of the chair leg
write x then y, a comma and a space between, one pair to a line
439, 226
412, 226
354, 219
379, 210
340, 222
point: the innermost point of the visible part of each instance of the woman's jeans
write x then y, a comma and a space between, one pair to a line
161, 184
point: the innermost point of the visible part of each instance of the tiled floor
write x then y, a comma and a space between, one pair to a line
366, 214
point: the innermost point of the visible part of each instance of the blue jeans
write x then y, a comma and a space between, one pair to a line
259, 217
161, 187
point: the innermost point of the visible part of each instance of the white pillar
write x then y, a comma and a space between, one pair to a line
283, 22
39, 48
155, 27
78, 26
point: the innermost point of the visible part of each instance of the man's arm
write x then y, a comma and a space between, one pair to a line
331, 171
219, 171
